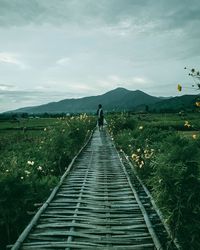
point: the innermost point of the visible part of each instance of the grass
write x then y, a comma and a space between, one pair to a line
166, 155
28, 123
189, 134
34, 153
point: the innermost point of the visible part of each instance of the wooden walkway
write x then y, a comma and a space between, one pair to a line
94, 207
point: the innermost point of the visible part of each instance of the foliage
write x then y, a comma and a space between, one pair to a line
195, 76
166, 157
31, 162
175, 186
121, 122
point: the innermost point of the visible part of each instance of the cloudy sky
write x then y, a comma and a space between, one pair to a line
56, 49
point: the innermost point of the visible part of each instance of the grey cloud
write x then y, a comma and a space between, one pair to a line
23, 12
6, 86
31, 94
19, 12
10, 100
94, 12
145, 17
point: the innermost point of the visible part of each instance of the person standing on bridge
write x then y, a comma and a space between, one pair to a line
100, 117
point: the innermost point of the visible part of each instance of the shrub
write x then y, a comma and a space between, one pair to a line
31, 162
175, 185
169, 164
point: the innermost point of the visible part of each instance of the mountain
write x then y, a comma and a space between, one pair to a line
115, 100
175, 103
119, 99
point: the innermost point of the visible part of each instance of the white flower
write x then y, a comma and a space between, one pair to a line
45, 129
39, 168
30, 163
22, 177
27, 172
140, 127
7, 170
138, 150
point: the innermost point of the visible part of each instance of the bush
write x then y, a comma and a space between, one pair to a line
175, 185
169, 165
118, 123
31, 163
14, 193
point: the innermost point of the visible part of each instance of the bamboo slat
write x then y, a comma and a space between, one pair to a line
95, 206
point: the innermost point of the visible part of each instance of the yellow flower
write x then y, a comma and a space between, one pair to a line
198, 103
141, 164
187, 124
135, 157
194, 136
179, 87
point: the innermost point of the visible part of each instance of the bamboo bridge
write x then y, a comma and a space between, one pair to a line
99, 204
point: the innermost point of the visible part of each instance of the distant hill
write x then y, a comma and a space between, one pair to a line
119, 99
116, 100
175, 103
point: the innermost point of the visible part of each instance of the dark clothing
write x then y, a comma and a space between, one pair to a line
100, 117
